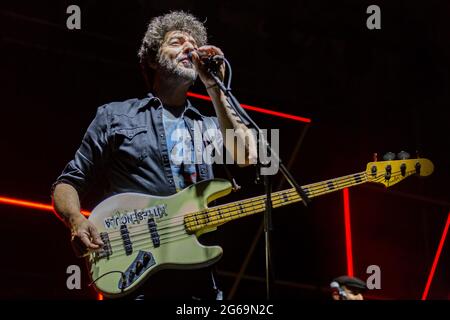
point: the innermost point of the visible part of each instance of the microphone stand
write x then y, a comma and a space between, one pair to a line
213, 66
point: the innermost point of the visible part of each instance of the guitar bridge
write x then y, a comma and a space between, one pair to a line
106, 249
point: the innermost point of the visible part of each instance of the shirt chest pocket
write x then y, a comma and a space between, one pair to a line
131, 144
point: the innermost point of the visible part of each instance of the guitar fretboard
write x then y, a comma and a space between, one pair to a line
221, 214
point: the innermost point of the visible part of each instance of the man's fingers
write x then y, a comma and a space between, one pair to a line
95, 236
211, 50
196, 58
79, 247
87, 242
85, 238
197, 63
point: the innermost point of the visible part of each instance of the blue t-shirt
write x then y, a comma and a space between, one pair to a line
181, 150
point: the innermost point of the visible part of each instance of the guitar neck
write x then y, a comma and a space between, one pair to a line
219, 215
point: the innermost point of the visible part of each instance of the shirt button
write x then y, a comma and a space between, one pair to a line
170, 181
161, 135
165, 158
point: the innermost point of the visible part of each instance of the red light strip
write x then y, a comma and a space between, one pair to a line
436, 258
257, 109
39, 206
33, 205
348, 233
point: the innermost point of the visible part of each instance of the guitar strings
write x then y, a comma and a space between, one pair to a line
149, 245
260, 204
120, 251
258, 201
185, 235
247, 203
256, 205
295, 197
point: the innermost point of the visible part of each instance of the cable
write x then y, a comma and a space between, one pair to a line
109, 272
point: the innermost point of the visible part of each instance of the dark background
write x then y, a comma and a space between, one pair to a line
365, 90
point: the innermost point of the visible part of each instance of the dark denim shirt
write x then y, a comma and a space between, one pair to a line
126, 141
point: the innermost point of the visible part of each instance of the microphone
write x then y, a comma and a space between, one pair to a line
342, 294
208, 59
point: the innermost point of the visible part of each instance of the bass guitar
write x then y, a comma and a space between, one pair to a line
143, 233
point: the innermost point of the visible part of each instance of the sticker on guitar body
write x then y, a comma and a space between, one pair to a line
135, 217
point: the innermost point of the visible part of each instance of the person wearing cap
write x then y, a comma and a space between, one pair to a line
348, 288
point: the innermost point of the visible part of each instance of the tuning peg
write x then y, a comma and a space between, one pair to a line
403, 169
403, 155
389, 156
388, 173
375, 157
418, 166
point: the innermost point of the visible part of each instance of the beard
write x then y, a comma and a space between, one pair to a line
173, 69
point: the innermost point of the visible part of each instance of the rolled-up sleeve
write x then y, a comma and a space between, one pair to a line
91, 155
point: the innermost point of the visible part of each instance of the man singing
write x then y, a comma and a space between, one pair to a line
135, 144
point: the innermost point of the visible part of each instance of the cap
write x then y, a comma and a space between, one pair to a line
351, 282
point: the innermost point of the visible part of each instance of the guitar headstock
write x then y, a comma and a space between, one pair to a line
391, 171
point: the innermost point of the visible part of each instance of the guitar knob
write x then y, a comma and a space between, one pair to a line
145, 259
124, 280
139, 267
403, 155
389, 156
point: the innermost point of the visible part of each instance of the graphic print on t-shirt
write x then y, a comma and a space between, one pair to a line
181, 151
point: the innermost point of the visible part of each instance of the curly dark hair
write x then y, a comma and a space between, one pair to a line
159, 26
